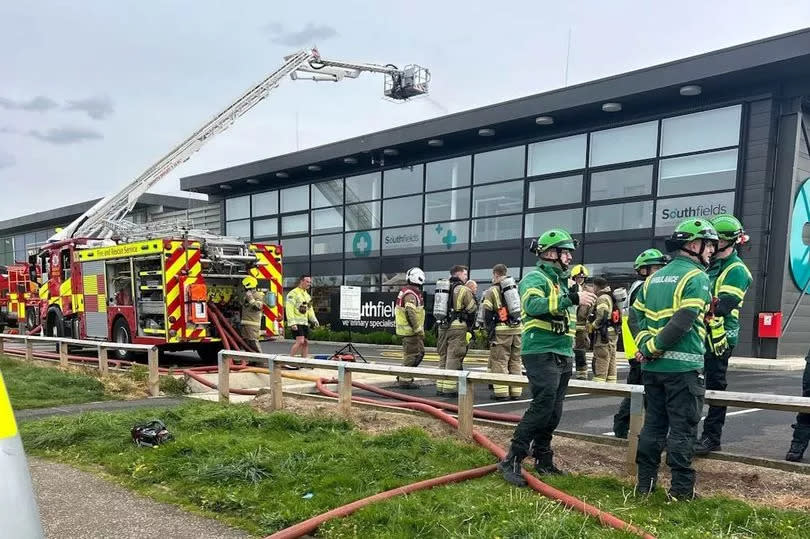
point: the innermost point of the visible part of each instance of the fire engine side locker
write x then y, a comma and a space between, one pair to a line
94, 284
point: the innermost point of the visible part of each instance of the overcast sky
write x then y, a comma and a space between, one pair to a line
93, 92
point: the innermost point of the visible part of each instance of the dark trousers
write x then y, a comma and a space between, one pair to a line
715, 368
621, 421
548, 380
674, 404
801, 429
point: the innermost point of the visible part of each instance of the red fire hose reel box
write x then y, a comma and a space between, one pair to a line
770, 325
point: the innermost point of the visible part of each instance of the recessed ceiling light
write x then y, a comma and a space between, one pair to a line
486, 132
282, 175
435, 142
350, 160
390, 151
253, 181
691, 89
314, 168
612, 107
225, 187
544, 120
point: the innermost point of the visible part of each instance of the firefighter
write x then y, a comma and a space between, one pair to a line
605, 334
501, 305
730, 280
459, 322
647, 263
301, 315
410, 321
251, 316
549, 326
669, 312
801, 429
581, 342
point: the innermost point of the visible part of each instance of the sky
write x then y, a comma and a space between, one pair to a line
94, 92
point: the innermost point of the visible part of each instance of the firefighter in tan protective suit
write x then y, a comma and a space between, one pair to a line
410, 320
503, 331
453, 331
581, 341
251, 315
605, 331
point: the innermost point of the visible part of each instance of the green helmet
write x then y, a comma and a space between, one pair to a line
556, 237
728, 227
651, 257
690, 230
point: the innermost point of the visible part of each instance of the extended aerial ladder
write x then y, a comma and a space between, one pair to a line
400, 84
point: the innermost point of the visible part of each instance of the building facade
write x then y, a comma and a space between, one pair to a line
617, 162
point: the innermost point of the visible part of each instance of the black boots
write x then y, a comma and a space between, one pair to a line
705, 446
801, 437
512, 470
544, 463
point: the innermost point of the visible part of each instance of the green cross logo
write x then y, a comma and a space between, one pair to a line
361, 244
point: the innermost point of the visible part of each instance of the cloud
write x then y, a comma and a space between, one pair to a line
37, 104
97, 108
6, 160
65, 135
306, 36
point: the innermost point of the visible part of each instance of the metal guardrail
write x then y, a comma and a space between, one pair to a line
153, 380
468, 379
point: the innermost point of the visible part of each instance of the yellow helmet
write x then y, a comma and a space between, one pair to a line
250, 282
580, 269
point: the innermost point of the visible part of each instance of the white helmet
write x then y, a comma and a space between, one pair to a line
415, 276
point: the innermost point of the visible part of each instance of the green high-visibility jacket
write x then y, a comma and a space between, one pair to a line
544, 301
730, 277
681, 284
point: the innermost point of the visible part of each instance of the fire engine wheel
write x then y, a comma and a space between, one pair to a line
121, 334
208, 352
30, 320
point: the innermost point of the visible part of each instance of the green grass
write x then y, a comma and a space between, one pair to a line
257, 471
33, 386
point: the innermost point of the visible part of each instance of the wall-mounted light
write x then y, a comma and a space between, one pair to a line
486, 132
390, 152
350, 160
225, 187
252, 181
612, 107
691, 89
544, 120
282, 175
314, 168
435, 142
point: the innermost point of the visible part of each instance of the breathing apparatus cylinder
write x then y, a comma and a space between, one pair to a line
511, 297
480, 317
441, 300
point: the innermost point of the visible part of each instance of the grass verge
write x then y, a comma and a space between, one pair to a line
263, 472
34, 386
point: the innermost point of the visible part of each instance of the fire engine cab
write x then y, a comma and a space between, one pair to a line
18, 295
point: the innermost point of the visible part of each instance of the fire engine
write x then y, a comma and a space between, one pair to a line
106, 278
18, 296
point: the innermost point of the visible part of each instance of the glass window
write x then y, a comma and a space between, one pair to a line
402, 240
628, 216
295, 247
327, 220
557, 155
498, 165
238, 229
265, 228
41, 236
295, 198
453, 236
629, 143
555, 192
362, 188
498, 199
716, 128
19, 246
295, 224
362, 244
363, 216
482, 262
537, 223
696, 173
402, 211
402, 181
448, 174
447, 205
293, 272
237, 208
331, 244
620, 273
265, 204
327, 193
365, 273
496, 228
627, 182
670, 211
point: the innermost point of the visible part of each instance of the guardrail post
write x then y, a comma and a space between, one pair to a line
29, 349
223, 377
344, 390
276, 396
154, 375
103, 363
636, 422
2, 345
63, 354
465, 406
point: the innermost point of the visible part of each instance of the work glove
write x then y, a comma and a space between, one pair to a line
716, 336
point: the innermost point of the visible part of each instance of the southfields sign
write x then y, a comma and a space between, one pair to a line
376, 313
671, 211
